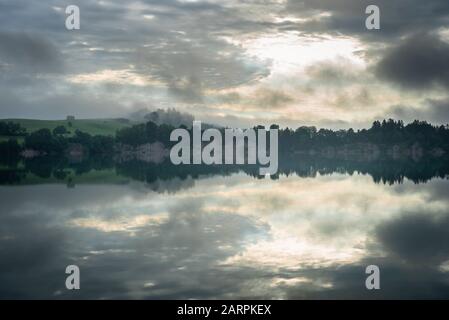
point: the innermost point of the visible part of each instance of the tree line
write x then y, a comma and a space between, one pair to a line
383, 133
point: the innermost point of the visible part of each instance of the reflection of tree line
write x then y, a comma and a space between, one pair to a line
50, 167
59, 169
382, 171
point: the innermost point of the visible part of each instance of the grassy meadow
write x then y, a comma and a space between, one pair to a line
91, 126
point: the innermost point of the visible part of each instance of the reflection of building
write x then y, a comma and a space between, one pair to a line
70, 118
75, 153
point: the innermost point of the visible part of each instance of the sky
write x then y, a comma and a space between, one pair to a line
236, 63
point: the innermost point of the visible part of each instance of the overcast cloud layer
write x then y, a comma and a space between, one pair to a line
228, 62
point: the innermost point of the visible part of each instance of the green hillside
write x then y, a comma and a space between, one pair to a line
91, 126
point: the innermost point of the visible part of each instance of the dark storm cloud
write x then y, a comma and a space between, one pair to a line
435, 111
419, 62
398, 17
29, 53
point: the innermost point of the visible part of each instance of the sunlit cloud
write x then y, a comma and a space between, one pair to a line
122, 77
290, 52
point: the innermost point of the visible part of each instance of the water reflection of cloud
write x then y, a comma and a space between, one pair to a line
314, 225
227, 237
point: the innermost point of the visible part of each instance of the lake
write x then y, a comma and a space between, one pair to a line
224, 235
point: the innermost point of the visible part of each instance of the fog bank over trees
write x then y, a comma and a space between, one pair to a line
159, 116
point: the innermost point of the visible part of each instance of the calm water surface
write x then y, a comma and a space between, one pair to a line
226, 237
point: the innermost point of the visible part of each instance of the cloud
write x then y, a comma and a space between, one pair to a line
188, 70
29, 53
180, 52
336, 74
273, 98
58, 106
262, 98
432, 110
398, 18
208, 55
419, 62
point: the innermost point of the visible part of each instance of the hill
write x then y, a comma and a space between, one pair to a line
91, 126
